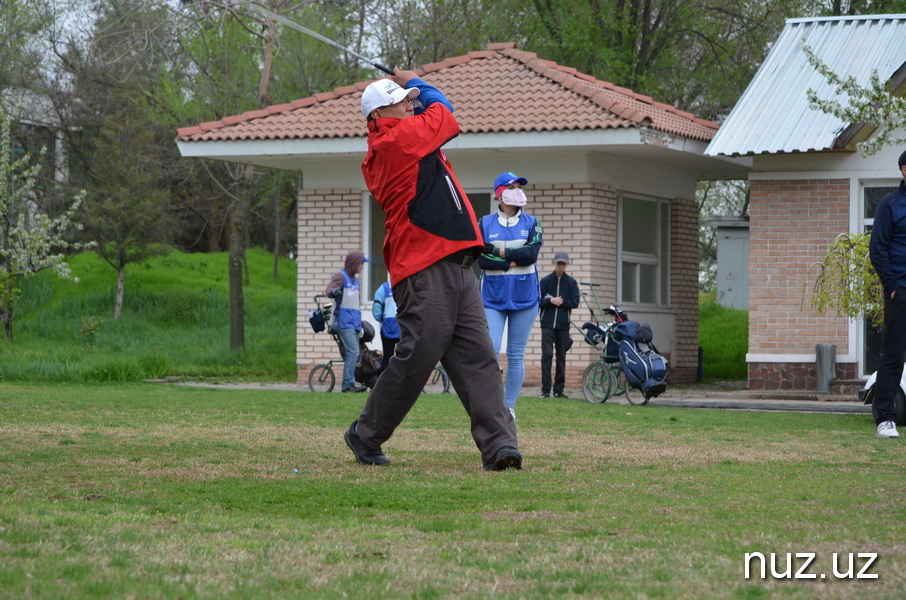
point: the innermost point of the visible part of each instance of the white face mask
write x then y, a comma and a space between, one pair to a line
513, 197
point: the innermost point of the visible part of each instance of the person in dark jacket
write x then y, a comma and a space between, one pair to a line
887, 251
559, 295
432, 240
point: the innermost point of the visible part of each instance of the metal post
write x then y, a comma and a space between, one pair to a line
826, 366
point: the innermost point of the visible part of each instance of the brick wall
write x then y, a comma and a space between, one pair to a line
684, 261
792, 224
578, 218
581, 219
330, 225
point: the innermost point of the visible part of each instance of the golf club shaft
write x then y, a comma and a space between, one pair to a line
293, 25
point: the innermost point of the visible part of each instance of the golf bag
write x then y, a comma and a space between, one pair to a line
596, 334
369, 366
645, 369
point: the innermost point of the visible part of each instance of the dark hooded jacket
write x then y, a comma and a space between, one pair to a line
347, 304
354, 260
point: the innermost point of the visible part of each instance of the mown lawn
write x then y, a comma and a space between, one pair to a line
154, 491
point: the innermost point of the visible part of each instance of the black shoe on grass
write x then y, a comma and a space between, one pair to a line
506, 458
363, 454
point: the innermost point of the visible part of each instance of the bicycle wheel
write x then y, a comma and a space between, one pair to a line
438, 382
321, 379
597, 383
633, 395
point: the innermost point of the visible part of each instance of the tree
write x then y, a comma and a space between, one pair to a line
876, 105
21, 24
30, 240
237, 52
695, 54
115, 143
846, 280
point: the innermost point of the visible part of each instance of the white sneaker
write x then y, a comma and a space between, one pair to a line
513, 412
887, 429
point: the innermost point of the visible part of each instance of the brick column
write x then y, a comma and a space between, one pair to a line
684, 264
792, 224
330, 225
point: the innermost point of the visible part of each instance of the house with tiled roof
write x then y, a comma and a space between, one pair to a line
809, 184
611, 173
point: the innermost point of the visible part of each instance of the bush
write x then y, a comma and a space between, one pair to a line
723, 334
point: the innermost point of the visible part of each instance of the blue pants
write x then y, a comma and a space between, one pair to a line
350, 339
519, 327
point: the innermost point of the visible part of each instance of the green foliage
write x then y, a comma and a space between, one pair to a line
846, 281
723, 334
30, 240
175, 322
21, 24
89, 331
696, 55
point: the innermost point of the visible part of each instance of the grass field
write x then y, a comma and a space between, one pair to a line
156, 491
175, 322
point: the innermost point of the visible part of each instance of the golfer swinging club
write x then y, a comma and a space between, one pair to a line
432, 240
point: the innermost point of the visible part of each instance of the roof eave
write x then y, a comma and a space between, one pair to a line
644, 144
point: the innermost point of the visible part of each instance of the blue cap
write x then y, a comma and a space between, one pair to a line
505, 179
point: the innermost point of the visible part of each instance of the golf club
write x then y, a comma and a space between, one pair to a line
268, 14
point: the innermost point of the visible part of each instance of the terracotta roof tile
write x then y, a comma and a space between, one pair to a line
548, 97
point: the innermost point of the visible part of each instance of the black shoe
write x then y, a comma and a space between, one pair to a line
506, 458
355, 389
560, 395
545, 394
363, 454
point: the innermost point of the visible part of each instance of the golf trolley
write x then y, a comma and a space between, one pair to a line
322, 377
371, 362
605, 377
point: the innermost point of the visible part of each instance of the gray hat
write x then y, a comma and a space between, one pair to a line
561, 257
902, 160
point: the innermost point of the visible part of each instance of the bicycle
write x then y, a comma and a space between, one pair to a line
605, 378
438, 382
322, 377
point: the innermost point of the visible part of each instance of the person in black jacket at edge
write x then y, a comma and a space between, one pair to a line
559, 295
887, 251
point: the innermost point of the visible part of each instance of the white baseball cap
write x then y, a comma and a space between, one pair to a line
384, 92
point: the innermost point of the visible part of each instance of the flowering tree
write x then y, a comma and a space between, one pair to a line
875, 105
846, 279
30, 240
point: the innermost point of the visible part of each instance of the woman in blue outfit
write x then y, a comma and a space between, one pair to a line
509, 279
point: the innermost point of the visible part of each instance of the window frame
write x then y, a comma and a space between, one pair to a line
864, 223
660, 259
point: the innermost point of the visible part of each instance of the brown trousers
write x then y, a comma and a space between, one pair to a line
441, 319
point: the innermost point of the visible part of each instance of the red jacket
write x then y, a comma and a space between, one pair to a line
427, 215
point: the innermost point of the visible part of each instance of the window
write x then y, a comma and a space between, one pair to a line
871, 340
644, 251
